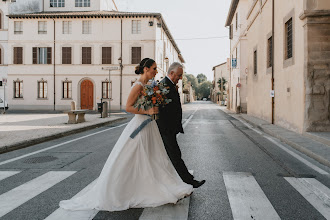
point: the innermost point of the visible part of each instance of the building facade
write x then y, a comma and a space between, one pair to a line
288, 56
220, 71
238, 87
82, 52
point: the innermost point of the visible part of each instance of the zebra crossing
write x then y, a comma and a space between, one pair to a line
246, 197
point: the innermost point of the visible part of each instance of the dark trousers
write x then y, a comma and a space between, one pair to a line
174, 153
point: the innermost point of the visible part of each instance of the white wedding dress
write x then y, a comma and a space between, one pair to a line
138, 173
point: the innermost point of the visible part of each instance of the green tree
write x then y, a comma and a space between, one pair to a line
203, 90
192, 79
223, 85
201, 78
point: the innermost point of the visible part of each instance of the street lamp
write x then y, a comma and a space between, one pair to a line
109, 69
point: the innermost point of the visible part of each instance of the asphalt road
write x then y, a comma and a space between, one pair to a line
235, 161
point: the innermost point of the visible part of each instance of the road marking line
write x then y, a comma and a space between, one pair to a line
317, 194
177, 211
247, 200
57, 145
23, 193
74, 215
6, 174
306, 162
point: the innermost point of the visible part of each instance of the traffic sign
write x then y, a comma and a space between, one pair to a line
239, 85
4, 81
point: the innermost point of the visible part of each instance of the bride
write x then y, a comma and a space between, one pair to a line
138, 173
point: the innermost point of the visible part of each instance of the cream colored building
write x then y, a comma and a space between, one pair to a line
238, 87
73, 49
220, 71
295, 56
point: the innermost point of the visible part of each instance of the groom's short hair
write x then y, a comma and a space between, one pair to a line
174, 66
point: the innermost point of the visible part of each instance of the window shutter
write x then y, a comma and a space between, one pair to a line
49, 55
34, 55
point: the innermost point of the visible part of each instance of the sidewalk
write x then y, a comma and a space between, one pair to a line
19, 130
314, 144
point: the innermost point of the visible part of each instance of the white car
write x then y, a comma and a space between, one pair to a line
2, 104
204, 99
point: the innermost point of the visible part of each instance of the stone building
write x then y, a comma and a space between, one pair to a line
238, 87
288, 56
86, 50
220, 71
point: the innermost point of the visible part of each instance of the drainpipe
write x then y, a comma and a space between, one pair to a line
273, 57
54, 68
121, 64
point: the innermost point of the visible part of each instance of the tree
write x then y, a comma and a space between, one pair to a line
192, 79
223, 83
201, 78
204, 89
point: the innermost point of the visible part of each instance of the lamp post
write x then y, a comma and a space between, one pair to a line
109, 69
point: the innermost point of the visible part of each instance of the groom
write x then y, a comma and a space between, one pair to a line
169, 124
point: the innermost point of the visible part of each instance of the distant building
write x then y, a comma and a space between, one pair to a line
65, 44
220, 71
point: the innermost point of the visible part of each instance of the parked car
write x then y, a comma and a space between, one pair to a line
2, 104
204, 99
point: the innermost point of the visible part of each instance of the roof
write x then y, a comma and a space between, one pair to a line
219, 65
231, 12
99, 14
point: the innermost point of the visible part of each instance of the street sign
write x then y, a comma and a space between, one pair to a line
110, 68
233, 62
272, 93
4, 81
239, 85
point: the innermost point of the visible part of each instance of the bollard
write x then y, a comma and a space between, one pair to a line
105, 110
73, 105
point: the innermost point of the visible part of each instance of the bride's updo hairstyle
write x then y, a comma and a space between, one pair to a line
146, 62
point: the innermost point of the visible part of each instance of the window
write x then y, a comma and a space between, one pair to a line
42, 89
86, 55
0, 21
18, 89
42, 27
255, 63
231, 31
42, 55
18, 27
18, 55
83, 3
288, 39
236, 21
66, 55
136, 27
66, 27
106, 90
87, 27
136, 55
57, 3
106, 55
270, 52
67, 89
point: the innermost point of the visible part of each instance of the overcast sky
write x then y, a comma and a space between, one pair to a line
189, 19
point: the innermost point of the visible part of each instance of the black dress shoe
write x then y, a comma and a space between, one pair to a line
196, 183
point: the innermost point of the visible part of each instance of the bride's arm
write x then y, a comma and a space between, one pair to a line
133, 96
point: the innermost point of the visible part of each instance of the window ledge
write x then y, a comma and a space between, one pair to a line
18, 98
288, 62
269, 70
42, 98
66, 99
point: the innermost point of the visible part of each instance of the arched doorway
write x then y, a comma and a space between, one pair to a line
86, 95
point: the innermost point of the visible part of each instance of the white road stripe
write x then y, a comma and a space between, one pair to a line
6, 174
58, 145
23, 193
178, 211
306, 162
74, 215
247, 200
317, 194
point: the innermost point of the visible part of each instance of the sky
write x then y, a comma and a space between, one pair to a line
188, 20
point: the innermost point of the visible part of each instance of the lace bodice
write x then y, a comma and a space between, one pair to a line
137, 83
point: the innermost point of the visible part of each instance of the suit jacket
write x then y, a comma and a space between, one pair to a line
170, 116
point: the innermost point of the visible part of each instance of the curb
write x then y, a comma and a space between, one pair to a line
29, 143
291, 143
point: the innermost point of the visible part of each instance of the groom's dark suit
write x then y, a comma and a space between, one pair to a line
169, 124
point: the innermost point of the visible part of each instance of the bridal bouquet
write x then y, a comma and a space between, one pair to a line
153, 95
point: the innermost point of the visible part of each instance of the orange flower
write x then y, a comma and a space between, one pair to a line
154, 99
156, 88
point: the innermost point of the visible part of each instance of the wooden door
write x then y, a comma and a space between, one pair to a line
86, 95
